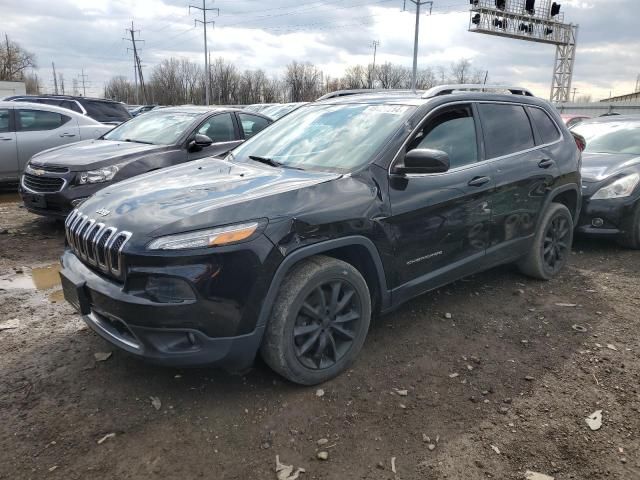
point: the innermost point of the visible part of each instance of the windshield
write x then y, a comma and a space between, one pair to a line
611, 137
157, 128
336, 138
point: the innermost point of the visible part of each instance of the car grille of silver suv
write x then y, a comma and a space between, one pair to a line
96, 243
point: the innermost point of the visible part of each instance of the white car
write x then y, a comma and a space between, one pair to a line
29, 128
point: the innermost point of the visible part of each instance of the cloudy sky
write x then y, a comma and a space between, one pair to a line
332, 34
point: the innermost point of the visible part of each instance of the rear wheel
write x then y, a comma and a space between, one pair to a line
551, 246
319, 321
631, 237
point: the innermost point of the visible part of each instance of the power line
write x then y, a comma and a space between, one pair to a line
204, 23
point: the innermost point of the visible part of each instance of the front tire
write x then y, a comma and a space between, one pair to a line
319, 321
631, 237
551, 246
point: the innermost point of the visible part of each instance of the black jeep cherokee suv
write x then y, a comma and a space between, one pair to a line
343, 209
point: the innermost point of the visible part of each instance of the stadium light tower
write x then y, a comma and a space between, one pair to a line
534, 21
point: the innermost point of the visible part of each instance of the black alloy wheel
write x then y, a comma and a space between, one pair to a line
557, 243
327, 324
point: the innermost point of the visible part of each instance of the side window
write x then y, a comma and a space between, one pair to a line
219, 128
545, 126
252, 124
506, 129
71, 106
37, 120
4, 120
452, 131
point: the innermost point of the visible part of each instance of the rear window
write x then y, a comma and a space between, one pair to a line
38, 120
546, 128
507, 129
106, 111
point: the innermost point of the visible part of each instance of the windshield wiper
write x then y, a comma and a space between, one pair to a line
272, 162
137, 141
265, 160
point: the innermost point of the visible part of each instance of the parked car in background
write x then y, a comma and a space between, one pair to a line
571, 120
341, 209
29, 128
280, 110
56, 181
257, 107
611, 178
138, 109
100, 109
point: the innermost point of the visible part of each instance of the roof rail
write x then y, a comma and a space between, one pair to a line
448, 89
361, 91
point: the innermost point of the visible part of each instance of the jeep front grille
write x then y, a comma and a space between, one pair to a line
96, 243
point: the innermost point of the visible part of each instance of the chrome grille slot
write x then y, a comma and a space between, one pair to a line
96, 243
42, 184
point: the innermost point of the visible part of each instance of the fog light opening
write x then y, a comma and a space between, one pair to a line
597, 222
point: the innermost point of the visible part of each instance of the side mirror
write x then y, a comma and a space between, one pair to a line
199, 142
423, 160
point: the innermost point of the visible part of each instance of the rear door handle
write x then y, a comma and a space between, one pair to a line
5, 139
546, 163
478, 181
67, 134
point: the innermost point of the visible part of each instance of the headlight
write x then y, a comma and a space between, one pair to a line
98, 176
623, 187
205, 238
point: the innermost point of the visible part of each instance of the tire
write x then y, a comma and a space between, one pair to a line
549, 251
297, 318
631, 237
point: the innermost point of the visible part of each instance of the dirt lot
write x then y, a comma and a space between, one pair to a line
501, 387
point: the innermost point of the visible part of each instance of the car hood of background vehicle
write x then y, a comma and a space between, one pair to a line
92, 154
599, 166
200, 194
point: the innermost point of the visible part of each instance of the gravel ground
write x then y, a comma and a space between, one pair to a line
500, 388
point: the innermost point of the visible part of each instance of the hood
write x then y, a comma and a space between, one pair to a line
91, 154
199, 194
600, 166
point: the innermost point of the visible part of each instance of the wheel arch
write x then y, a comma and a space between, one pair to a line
567, 195
358, 251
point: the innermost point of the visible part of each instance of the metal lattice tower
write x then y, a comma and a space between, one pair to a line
532, 21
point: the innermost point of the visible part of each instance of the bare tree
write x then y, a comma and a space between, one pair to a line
354, 77
120, 89
32, 83
392, 76
304, 82
462, 72
224, 82
14, 60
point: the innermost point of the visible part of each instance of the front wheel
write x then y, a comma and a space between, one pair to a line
319, 321
551, 246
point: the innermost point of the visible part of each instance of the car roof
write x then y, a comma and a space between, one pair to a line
198, 109
50, 108
612, 118
67, 97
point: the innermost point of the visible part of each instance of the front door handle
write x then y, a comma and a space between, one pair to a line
478, 181
67, 134
546, 163
5, 139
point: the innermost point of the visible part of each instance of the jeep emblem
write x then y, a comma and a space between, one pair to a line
103, 212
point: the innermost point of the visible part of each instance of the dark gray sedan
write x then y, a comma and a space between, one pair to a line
59, 179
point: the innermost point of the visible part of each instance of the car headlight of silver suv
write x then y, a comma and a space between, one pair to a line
623, 187
98, 176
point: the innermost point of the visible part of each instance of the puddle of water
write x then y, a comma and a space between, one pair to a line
9, 198
39, 278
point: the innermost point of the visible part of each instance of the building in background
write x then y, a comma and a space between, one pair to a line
629, 97
12, 88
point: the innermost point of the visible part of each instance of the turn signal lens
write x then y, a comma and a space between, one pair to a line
234, 235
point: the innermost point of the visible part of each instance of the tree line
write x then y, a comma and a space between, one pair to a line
177, 81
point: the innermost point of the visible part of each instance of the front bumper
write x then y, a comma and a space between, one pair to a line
607, 218
57, 204
202, 331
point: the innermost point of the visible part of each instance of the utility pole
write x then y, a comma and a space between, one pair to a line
83, 80
372, 78
574, 95
55, 78
204, 10
61, 77
137, 66
638, 83
418, 4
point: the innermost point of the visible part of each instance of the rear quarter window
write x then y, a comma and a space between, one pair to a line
39, 120
106, 111
546, 128
506, 128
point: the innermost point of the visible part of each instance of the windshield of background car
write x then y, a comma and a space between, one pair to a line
106, 111
338, 138
611, 137
158, 128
